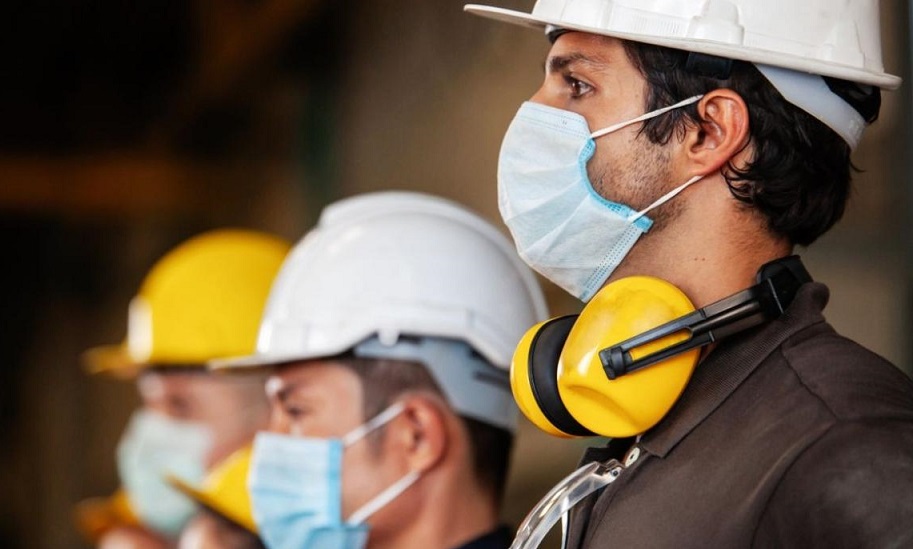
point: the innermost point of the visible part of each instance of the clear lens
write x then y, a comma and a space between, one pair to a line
564, 496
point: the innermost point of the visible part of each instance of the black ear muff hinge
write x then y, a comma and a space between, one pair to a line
778, 283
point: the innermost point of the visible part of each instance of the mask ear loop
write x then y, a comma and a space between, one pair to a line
381, 500
376, 422
652, 114
664, 198
393, 491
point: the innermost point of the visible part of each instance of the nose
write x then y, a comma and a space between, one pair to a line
542, 96
279, 422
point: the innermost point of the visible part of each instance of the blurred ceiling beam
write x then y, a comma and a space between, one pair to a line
113, 184
236, 38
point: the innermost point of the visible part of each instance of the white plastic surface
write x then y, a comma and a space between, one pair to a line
838, 38
396, 263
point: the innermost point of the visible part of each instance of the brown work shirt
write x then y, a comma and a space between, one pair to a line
787, 436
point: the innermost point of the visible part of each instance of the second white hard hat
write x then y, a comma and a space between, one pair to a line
382, 266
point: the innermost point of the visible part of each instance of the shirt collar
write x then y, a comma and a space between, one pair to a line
729, 365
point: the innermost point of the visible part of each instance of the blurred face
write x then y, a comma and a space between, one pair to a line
227, 405
592, 76
324, 399
208, 531
131, 538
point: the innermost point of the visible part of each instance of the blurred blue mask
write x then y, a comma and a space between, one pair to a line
295, 484
152, 448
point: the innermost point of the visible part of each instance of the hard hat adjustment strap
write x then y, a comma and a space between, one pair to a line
710, 66
866, 100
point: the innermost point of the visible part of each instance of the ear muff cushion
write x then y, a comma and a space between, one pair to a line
545, 350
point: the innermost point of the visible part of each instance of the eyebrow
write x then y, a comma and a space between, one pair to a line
282, 392
561, 62
301, 390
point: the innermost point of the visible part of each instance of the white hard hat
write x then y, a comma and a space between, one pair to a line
391, 264
836, 38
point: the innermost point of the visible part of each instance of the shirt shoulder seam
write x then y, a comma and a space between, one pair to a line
835, 420
783, 475
809, 390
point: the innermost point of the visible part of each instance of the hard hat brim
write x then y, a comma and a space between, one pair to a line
730, 51
96, 516
209, 502
259, 361
116, 361
113, 360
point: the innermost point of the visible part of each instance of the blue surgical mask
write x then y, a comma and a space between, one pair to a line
152, 448
295, 484
562, 227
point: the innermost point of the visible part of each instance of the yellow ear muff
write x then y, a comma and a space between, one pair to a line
632, 403
534, 380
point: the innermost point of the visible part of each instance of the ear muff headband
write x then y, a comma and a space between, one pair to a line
566, 388
778, 283
544, 352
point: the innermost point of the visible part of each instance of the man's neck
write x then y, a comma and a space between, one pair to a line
709, 252
454, 512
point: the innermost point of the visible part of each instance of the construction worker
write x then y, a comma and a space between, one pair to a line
674, 156
225, 519
388, 333
202, 300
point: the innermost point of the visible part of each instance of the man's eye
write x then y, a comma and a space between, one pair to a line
578, 87
180, 408
295, 412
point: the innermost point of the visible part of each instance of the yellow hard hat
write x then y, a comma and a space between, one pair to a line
224, 491
202, 300
96, 516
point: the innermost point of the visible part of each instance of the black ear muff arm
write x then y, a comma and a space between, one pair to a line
778, 283
701, 327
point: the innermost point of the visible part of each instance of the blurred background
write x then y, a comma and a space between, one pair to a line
127, 127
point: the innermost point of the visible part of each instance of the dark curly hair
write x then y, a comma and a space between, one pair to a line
800, 173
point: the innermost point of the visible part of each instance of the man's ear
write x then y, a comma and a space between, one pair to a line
721, 135
421, 433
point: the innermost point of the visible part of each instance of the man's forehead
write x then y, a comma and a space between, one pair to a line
586, 47
155, 383
305, 376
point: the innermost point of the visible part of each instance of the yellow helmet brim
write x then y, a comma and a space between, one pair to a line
224, 491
